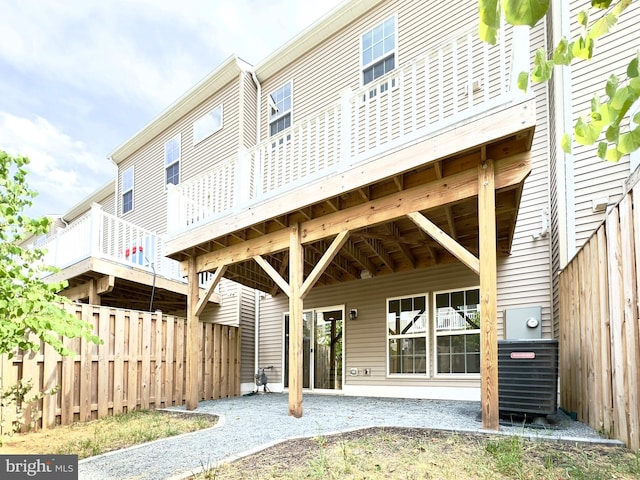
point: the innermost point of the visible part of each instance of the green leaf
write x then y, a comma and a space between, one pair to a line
583, 48
612, 133
612, 85
600, 3
630, 141
586, 133
632, 69
583, 18
603, 25
636, 118
489, 14
523, 81
562, 55
565, 143
613, 155
542, 68
519, 12
602, 150
620, 6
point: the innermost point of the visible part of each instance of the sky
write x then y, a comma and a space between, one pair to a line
80, 77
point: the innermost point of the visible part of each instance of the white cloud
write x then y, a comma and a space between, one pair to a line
62, 170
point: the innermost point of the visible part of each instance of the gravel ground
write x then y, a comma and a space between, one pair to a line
249, 424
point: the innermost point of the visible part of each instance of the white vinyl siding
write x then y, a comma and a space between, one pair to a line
151, 208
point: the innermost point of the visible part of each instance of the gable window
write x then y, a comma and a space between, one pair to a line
407, 335
379, 50
280, 102
172, 160
127, 190
457, 325
207, 124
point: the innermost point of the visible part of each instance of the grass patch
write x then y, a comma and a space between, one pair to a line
378, 454
107, 434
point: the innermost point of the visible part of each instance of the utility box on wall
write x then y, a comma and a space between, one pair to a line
524, 323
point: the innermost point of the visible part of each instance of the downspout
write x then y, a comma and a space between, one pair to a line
115, 206
258, 104
256, 324
256, 292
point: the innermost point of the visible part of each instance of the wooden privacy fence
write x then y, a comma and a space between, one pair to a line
141, 364
599, 326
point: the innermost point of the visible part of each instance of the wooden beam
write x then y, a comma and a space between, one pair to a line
296, 307
281, 271
324, 262
508, 173
203, 301
488, 297
79, 292
446, 241
378, 249
193, 337
351, 250
273, 273
105, 284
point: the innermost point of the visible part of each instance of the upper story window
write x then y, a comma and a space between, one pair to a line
458, 331
280, 102
379, 50
207, 124
127, 190
172, 160
407, 335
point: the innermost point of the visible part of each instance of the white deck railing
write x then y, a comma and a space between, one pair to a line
99, 234
450, 84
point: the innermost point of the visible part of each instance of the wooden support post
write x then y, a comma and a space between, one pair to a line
296, 265
193, 336
94, 298
488, 295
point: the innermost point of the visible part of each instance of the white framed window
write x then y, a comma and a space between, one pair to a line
378, 47
457, 331
407, 335
207, 124
126, 182
172, 160
280, 107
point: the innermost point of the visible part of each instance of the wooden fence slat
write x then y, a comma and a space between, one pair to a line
605, 333
118, 361
67, 389
207, 381
49, 382
86, 368
615, 307
630, 308
595, 402
169, 392
159, 348
237, 374
224, 362
232, 362
103, 361
132, 366
145, 377
9, 378
217, 349
179, 344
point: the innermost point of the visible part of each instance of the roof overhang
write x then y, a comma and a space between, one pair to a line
311, 37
